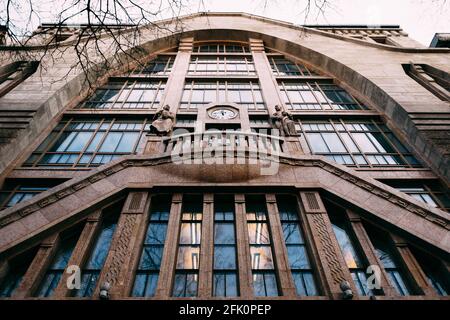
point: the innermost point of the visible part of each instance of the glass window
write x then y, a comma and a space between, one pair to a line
91, 270
385, 253
350, 252
16, 269
127, 94
356, 143
221, 48
225, 276
311, 95
432, 193
263, 266
235, 66
147, 273
162, 65
298, 256
202, 93
188, 258
59, 262
85, 143
436, 273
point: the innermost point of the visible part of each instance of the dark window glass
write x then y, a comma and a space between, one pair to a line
88, 143
221, 48
147, 273
225, 282
350, 252
162, 65
201, 93
17, 267
312, 95
435, 271
284, 67
432, 193
294, 240
234, 66
188, 257
59, 262
263, 266
16, 191
91, 271
385, 253
356, 143
127, 94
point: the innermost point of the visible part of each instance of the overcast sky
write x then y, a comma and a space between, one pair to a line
421, 19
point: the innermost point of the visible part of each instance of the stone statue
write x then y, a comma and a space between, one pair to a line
163, 122
283, 121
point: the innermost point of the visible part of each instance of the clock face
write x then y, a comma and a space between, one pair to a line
223, 114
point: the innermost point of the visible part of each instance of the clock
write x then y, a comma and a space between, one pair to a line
223, 114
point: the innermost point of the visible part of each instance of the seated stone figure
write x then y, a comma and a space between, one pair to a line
283, 121
163, 122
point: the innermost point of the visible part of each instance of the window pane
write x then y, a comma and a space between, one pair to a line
316, 142
261, 257
188, 257
224, 257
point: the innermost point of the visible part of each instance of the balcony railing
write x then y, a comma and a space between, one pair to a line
223, 142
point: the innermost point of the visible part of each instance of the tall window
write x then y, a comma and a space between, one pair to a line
351, 252
389, 260
296, 247
225, 275
437, 275
147, 273
188, 257
54, 272
226, 65
314, 95
357, 143
162, 65
201, 93
284, 67
17, 267
221, 48
127, 94
263, 266
91, 271
86, 143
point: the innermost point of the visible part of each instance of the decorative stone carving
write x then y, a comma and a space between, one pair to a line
283, 121
163, 122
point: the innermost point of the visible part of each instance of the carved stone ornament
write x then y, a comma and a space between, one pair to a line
163, 122
283, 121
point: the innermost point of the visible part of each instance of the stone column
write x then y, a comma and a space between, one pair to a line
81, 252
117, 270
243, 249
331, 263
369, 252
418, 277
175, 82
38, 267
287, 284
206, 247
267, 81
168, 263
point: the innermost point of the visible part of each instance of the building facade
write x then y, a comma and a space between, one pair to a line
292, 162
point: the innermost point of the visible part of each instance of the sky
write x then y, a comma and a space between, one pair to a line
421, 19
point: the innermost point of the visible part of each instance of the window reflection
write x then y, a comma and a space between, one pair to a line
188, 257
263, 267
